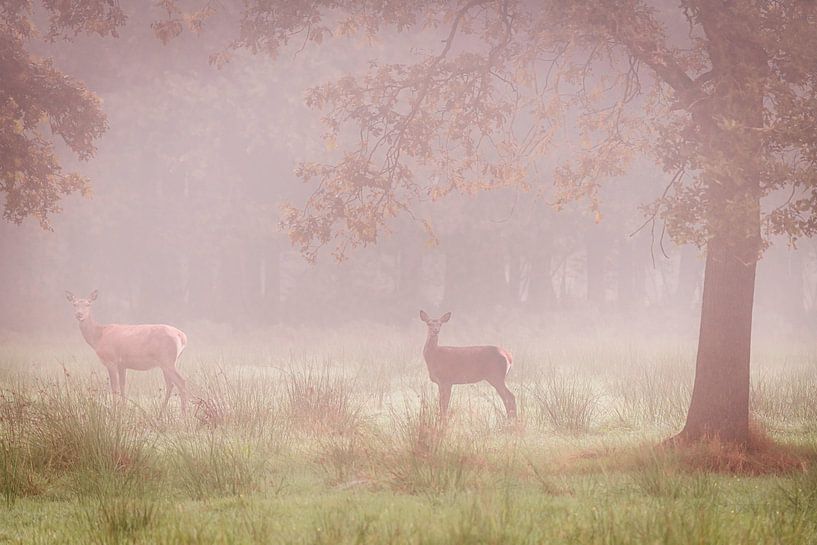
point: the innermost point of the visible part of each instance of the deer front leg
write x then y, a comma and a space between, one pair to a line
121, 371
168, 387
113, 375
445, 397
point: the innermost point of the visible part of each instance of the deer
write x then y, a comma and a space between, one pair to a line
140, 347
449, 365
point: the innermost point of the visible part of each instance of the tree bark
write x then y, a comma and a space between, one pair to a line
596, 247
541, 294
689, 277
731, 160
407, 289
629, 275
474, 275
271, 281
720, 396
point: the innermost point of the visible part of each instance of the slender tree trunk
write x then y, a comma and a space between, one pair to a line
720, 396
409, 272
629, 275
270, 271
452, 281
596, 247
514, 284
541, 294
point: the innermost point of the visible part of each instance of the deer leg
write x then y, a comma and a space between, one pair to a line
181, 386
113, 375
168, 388
121, 371
445, 397
507, 398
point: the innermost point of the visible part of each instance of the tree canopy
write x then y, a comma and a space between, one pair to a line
39, 103
720, 95
549, 98
711, 91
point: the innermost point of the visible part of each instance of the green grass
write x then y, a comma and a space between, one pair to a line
341, 443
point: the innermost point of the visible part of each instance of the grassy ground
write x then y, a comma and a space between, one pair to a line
339, 443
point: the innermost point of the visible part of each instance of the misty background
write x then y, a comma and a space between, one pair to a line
183, 224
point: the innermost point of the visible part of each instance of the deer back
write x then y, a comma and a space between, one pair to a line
466, 364
140, 346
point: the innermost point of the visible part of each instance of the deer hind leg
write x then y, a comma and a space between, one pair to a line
445, 398
181, 385
507, 397
168, 387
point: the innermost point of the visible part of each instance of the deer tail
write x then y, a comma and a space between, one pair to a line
508, 360
181, 344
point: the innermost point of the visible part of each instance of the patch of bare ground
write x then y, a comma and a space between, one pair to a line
762, 455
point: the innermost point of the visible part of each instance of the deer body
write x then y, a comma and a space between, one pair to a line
449, 365
138, 347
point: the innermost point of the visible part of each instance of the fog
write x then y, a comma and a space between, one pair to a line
183, 223
414, 276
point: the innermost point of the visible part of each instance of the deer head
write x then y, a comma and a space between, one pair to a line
82, 307
434, 325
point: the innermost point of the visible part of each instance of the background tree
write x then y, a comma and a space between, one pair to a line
725, 107
39, 103
181, 227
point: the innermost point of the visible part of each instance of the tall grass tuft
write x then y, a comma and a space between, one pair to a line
422, 456
346, 458
789, 399
318, 401
76, 428
119, 520
218, 464
565, 403
64, 428
17, 475
651, 395
240, 400
799, 493
662, 475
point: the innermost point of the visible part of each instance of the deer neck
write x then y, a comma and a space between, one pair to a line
91, 330
430, 346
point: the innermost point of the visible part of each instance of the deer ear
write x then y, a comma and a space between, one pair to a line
69, 296
446, 317
93, 295
423, 316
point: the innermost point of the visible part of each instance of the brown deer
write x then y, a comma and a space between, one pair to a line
449, 365
138, 347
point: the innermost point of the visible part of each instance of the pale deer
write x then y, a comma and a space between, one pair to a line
139, 347
449, 365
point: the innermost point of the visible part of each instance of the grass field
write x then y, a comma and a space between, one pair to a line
339, 443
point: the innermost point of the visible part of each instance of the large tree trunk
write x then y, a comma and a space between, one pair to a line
731, 162
720, 396
689, 277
